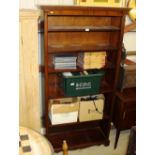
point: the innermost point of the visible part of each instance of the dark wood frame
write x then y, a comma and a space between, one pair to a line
83, 134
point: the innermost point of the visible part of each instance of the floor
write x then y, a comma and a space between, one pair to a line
102, 150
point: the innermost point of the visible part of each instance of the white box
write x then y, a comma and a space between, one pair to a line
64, 111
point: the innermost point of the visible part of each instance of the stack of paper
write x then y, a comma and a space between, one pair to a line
91, 60
64, 62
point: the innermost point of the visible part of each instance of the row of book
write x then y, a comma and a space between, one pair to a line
64, 61
85, 60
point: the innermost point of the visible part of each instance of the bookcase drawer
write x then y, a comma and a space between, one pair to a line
129, 119
130, 105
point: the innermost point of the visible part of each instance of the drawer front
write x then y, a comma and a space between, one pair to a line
130, 105
128, 118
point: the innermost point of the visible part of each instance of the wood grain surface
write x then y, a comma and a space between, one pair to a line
29, 107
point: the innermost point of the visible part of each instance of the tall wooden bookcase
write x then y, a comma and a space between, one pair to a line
74, 29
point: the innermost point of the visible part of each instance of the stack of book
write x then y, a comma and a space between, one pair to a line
91, 60
64, 61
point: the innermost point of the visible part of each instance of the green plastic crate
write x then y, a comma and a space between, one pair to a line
78, 85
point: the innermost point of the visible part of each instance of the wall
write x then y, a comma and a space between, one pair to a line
27, 4
130, 38
55, 2
32, 4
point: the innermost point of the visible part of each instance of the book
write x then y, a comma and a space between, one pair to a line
64, 58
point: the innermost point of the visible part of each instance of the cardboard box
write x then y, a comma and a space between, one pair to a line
88, 112
63, 110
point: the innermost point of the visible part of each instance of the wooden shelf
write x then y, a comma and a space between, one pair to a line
83, 28
78, 138
108, 65
60, 94
105, 88
78, 123
79, 48
52, 70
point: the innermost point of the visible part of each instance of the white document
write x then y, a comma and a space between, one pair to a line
64, 118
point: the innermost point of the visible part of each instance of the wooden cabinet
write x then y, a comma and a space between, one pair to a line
74, 29
124, 111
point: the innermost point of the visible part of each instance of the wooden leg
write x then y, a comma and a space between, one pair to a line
116, 138
65, 148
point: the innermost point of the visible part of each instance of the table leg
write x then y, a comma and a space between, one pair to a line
116, 138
